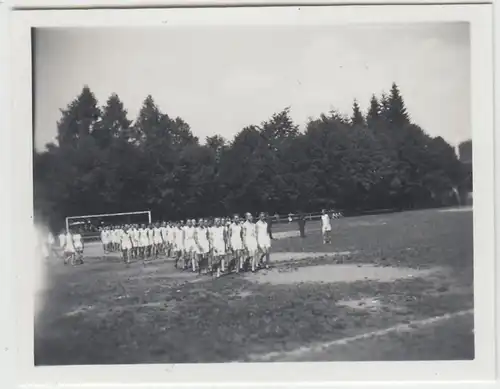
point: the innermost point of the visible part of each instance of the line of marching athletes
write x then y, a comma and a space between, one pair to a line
203, 246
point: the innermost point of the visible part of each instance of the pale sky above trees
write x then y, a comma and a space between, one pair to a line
220, 80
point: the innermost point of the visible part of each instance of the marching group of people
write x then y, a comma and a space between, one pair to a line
216, 245
204, 245
70, 246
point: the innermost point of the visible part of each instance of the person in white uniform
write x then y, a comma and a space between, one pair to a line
263, 240
171, 237
178, 242
151, 241
190, 244
165, 238
51, 245
112, 238
108, 236
102, 236
50, 239
62, 240
143, 241
69, 249
126, 244
202, 245
134, 240
218, 246
228, 258
78, 244
116, 238
236, 243
250, 241
326, 227
157, 240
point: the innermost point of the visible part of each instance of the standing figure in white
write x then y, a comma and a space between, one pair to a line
250, 240
326, 227
263, 240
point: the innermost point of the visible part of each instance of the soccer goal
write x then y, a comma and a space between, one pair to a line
91, 223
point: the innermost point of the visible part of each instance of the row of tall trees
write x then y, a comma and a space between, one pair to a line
103, 162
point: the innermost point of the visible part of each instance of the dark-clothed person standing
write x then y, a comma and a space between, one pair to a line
269, 226
302, 225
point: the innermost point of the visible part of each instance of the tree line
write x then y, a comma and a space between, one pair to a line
103, 162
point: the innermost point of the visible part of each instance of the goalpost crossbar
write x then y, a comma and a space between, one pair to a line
107, 215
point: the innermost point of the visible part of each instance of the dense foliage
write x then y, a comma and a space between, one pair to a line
105, 163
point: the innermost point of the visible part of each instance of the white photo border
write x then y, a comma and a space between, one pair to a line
17, 279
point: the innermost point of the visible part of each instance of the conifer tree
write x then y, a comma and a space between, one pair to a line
373, 115
397, 113
113, 124
78, 118
357, 116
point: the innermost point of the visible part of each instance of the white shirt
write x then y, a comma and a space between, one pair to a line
218, 234
235, 231
325, 222
62, 240
201, 235
165, 233
249, 232
179, 236
261, 228
189, 233
69, 241
125, 237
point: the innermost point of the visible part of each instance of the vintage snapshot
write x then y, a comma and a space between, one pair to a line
217, 193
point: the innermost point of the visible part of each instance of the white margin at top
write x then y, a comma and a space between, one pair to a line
69, 4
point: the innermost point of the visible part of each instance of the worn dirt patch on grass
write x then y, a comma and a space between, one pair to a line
297, 256
338, 273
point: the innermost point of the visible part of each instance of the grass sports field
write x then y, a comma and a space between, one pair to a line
389, 287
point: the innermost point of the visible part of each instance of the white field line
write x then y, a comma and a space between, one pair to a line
459, 209
412, 326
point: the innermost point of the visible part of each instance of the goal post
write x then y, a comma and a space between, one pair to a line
108, 219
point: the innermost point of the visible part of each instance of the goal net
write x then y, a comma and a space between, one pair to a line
89, 225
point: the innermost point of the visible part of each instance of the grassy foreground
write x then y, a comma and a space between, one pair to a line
104, 313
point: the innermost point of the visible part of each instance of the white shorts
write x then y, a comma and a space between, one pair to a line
78, 247
144, 243
219, 248
326, 229
178, 246
158, 241
190, 246
203, 248
126, 246
236, 244
251, 246
264, 244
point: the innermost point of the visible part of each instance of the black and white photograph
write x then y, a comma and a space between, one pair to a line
240, 193
254, 194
